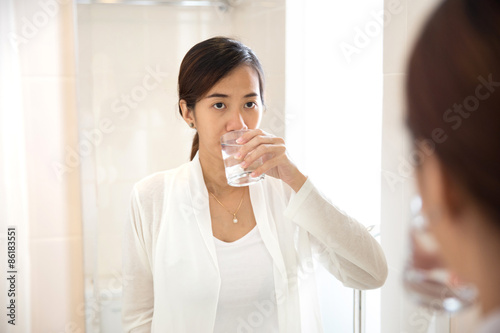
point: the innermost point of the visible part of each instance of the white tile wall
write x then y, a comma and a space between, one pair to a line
55, 270
56, 284
43, 26
50, 108
394, 134
395, 36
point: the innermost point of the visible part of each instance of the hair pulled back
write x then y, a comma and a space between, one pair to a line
453, 95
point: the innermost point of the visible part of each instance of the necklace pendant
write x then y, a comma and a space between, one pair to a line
235, 220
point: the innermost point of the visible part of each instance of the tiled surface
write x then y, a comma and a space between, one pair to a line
122, 156
112, 218
120, 45
56, 284
392, 241
394, 133
55, 234
395, 36
164, 156
54, 238
52, 158
39, 26
109, 259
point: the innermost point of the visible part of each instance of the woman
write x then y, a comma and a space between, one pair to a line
192, 268
453, 93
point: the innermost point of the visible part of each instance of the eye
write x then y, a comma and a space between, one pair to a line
250, 105
219, 106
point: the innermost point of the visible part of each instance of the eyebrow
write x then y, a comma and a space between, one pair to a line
225, 96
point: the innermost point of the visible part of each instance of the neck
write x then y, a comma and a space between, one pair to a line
214, 174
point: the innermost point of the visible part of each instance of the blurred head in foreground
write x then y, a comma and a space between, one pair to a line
453, 114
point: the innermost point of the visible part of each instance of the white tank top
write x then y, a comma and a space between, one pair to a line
247, 298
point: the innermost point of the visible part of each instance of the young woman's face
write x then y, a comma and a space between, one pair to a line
233, 103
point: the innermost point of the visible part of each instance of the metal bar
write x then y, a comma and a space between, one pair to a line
355, 311
359, 311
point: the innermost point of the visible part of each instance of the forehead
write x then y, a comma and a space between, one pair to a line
241, 80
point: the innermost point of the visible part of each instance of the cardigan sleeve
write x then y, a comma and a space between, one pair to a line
137, 310
343, 245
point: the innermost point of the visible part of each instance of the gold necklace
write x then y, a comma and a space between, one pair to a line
235, 220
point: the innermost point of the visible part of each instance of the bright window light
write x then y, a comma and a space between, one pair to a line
334, 116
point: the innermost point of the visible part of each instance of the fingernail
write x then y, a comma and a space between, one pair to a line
253, 174
239, 140
237, 156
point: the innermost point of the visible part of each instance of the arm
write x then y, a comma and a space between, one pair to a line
138, 297
345, 247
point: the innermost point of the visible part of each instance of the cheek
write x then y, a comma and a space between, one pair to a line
447, 245
253, 120
437, 232
424, 191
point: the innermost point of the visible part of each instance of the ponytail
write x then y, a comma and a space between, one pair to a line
196, 145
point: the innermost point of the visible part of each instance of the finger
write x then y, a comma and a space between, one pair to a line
256, 142
263, 149
244, 138
268, 165
248, 135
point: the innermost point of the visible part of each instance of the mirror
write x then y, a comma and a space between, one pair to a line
129, 54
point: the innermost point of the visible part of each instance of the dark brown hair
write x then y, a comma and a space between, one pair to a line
208, 62
453, 95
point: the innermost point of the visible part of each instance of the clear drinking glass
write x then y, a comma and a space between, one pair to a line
235, 174
426, 279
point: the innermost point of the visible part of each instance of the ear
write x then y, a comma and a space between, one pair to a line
441, 193
187, 113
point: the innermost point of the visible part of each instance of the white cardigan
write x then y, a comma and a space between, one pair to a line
170, 271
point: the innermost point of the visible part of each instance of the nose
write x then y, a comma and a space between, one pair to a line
236, 121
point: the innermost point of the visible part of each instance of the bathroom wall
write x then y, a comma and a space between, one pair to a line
46, 201
129, 57
398, 183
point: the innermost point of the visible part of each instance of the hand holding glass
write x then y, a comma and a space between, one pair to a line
235, 174
426, 279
